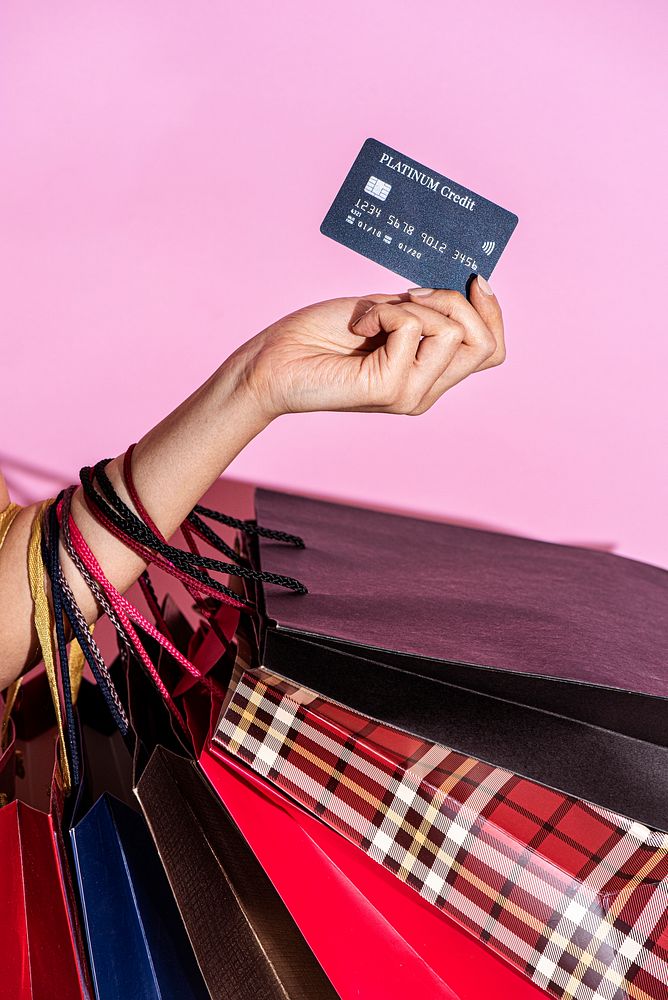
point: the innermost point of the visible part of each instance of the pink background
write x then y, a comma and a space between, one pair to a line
149, 150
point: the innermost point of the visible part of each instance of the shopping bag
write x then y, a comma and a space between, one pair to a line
573, 895
529, 655
493, 611
365, 957
137, 944
246, 942
41, 943
374, 936
368, 957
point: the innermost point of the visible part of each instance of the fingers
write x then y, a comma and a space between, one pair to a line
416, 347
428, 339
442, 337
481, 318
403, 331
365, 304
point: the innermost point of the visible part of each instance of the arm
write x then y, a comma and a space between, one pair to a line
384, 353
4, 493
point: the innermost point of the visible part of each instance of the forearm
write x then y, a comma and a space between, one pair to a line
173, 466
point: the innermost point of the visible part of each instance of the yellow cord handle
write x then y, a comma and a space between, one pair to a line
44, 625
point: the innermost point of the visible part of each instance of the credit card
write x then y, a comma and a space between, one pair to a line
415, 221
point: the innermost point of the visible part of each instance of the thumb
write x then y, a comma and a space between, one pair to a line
486, 304
483, 300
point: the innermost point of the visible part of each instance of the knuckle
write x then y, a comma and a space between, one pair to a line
449, 296
457, 330
487, 347
410, 323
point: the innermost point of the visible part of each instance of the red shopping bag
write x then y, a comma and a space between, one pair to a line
373, 935
41, 945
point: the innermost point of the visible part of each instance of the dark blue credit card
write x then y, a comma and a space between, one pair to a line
415, 221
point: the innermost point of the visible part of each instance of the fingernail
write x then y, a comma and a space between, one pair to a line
484, 286
420, 291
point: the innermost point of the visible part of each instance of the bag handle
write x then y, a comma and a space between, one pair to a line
84, 645
120, 515
127, 614
137, 536
44, 625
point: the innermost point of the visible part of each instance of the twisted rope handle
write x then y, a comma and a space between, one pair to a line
192, 563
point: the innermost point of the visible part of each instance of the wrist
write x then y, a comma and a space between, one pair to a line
239, 398
179, 459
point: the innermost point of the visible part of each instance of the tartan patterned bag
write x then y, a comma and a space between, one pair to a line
573, 895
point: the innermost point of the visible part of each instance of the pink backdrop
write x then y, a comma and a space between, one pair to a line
149, 150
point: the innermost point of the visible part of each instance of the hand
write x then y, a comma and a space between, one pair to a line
381, 353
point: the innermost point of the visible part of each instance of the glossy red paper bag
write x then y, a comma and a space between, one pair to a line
41, 947
373, 935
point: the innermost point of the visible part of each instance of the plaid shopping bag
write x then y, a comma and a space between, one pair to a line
573, 895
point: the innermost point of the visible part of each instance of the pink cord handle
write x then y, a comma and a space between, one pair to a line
128, 613
149, 556
194, 588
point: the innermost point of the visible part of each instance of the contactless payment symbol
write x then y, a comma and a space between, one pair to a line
488, 247
379, 189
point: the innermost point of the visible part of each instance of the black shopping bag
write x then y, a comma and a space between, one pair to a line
550, 660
